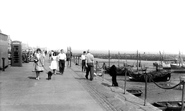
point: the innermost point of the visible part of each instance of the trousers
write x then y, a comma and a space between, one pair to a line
61, 66
90, 68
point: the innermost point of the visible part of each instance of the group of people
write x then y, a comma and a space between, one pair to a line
58, 61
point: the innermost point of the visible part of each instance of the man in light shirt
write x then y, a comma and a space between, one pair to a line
62, 59
90, 65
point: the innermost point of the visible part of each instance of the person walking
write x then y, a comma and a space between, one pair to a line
69, 56
39, 65
90, 65
54, 63
83, 60
43, 55
62, 59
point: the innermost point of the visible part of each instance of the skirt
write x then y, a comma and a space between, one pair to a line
53, 65
39, 68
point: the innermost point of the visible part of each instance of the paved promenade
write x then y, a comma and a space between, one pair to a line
19, 91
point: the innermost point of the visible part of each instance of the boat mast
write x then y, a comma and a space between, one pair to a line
109, 57
118, 58
137, 60
140, 61
179, 58
160, 57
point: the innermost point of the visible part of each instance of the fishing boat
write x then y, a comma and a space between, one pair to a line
178, 65
161, 75
169, 105
155, 75
164, 64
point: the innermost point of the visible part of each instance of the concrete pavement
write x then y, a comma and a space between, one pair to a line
19, 91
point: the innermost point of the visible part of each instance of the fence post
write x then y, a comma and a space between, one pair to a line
145, 88
125, 80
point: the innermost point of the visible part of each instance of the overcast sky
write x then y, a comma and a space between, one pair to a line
119, 25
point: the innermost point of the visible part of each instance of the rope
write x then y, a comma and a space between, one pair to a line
165, 87
151, 79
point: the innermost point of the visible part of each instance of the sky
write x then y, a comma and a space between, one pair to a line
115, 25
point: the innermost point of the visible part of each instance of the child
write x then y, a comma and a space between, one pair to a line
54, 62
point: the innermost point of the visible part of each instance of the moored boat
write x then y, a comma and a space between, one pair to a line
166, 65
179, 65
161, 75
136, 92
177, 68
168, 105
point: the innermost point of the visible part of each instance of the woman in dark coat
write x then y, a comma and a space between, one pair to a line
113, 73
39, 63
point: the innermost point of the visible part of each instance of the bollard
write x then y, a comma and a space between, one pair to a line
3, 64
145, 89
182, 79
125, 80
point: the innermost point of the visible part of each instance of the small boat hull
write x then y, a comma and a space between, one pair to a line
168, 105
135, 92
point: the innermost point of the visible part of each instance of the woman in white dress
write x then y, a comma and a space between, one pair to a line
54, 62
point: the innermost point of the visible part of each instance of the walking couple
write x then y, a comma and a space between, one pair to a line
58, 60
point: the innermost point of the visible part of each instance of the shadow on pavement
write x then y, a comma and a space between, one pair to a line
78, 71
32, 77
81, 78
105, 84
